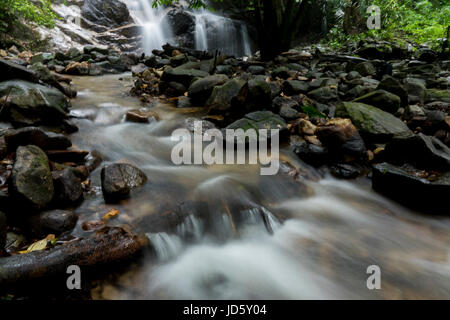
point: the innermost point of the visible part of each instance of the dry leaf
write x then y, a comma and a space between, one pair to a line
111, 214
39, 245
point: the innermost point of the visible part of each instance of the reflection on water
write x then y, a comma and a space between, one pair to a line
225, 232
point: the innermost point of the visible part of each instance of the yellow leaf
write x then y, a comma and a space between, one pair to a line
39, 245
111, 214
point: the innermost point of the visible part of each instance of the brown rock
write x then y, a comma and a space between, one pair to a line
141, 116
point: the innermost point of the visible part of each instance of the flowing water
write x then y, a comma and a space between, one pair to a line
212, 31
225, 232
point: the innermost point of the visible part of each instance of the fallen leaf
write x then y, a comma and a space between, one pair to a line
111, 214
39, 245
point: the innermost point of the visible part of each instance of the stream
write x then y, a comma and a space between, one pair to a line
241, 235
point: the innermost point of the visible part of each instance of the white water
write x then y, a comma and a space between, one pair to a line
212, 32
248, 236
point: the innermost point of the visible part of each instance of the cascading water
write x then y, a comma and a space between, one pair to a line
156, 31
212, 32
242, 235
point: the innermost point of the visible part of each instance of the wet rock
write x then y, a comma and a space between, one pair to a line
77, 68
381, 99
412, 188
29, 103
310, 153
200, 90
260, 120
345, 171
68, 189
69, 155
2, 232
324, 94
427, 55
44, 57
182, 23
184, 102
423, 151
107, 13
37, 137
280, 102
31, 177
342, 138
305, 127
72, 53
293, 87
392, 85
433, 95
256, 70
224, 97
289, 113
370, 52
416, 90
365, 69
52, 222
141, 116
280, 72
11, 71
259, 94
119, 179
183, 76
374, 124
192, 124
138, 69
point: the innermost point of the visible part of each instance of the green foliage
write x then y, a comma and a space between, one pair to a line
312, 112
423, 21
13, 11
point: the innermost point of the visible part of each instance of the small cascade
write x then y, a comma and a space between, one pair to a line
165, 246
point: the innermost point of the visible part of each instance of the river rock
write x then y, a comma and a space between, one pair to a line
233, 92
365, 69
423, 151
280, 72
293, 87
324, 94
433, 95
183, 76
260, 120
416, 90
52, 222
31, 103
256, 70
31, 176
259, 94
119, 179
308, 152
77, 68
200, 90
44, 57
406, 185
37, 137
381, 99
374, 124
341, 137
394, 86
141, 116
68, 189
11, 71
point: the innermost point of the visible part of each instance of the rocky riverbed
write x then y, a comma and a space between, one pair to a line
378, 111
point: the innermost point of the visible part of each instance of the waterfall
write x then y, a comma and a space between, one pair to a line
212, 31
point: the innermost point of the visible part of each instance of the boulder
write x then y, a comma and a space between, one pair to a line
119, 179
381, 99
108, 13
280, 72
52, 222
412, 188
433, 95
259, 94
365, 69
324, 94
423, 151
224, 97
416, 90
29, 103
31, 178
374, 124
260, 120
256, 70
44, 57
141, 116
68, 189
394, 86
308, 152
11, 71
342, 138
35, 136
182, 75
293, 87
77, 68
200, 90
